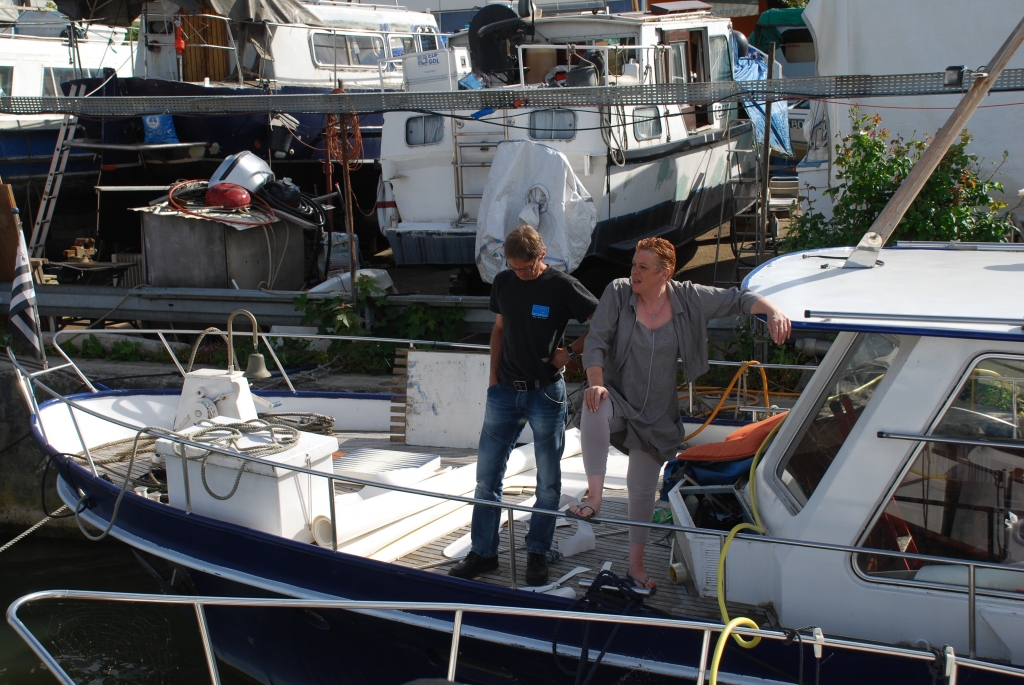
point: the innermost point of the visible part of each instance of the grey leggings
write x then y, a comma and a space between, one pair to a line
596, 428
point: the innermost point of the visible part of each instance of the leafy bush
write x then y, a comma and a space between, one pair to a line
955, 204
373, 316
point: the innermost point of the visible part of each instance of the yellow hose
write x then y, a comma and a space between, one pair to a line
728, 389
756, 526
720, 647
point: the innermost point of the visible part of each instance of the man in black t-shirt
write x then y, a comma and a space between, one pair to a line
533, 304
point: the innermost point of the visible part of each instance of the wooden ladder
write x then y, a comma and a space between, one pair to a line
51, 189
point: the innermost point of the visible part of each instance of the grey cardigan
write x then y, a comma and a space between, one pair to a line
611, 329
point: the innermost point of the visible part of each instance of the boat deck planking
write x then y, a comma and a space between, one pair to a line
671, 599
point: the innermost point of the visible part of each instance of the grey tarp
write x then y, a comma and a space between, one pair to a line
124, 12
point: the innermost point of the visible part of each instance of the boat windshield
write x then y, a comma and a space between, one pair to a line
962, 501
842, 402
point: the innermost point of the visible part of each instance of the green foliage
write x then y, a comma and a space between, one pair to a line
955, 204
124, 351
795, 3
372, 315
91, 348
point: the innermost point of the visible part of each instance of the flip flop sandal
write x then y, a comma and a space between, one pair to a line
643, 584
580, 517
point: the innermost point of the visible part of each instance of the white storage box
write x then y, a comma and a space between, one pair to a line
700, 552
274, 500
435, 70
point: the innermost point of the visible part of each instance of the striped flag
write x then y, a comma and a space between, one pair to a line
21, 317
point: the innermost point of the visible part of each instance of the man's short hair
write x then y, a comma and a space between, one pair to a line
524, 244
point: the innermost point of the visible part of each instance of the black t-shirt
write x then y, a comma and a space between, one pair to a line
535, 314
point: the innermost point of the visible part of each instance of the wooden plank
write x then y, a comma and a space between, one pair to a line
399, 370
398, 438
397, 421
8, 234
397, 399
402, 361
397, 429
402, 352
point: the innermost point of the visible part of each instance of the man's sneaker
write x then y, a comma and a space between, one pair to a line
474, 564
536, 569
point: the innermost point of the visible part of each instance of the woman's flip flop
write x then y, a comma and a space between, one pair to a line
581, 516
642, 584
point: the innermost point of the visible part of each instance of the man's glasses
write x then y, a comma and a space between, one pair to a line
522, 269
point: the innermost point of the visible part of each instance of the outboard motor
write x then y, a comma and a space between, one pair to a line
494, 33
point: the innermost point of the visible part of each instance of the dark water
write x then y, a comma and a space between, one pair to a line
95, 643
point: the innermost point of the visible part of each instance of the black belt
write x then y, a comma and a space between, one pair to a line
523, 386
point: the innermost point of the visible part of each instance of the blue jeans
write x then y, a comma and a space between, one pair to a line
508, 411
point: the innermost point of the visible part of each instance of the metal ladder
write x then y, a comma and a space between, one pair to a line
51, 189
742, 201
750, 247
461, 165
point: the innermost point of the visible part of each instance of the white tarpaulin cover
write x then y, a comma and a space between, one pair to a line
533, 183
908, 37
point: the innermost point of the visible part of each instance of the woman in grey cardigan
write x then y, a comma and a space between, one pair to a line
642, 325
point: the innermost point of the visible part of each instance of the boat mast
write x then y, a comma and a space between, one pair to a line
865, 255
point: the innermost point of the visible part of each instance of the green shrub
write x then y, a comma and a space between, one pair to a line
955, 204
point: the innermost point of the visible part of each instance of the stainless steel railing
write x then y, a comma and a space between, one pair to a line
707, 628
266, 338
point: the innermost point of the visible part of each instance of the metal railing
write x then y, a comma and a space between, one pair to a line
952, 662
28, 379
266, 338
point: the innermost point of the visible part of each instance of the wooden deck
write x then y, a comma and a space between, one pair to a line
612, 545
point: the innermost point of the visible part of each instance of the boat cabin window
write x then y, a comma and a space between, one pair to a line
962, 501
553, 124
646, 123
347, 50
428, 41
424, 130
54, 76
402, 45
721, 58
842, 402
6, 79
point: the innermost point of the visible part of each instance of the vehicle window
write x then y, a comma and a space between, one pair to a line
54, 76
842, 403
424, 130
646, 123
402, 45
962, 501
721, 59
553, 124
6, 80
347, 50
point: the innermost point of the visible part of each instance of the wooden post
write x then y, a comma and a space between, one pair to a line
765, 218
881, 230
349, 219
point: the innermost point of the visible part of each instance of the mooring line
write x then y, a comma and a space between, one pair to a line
31, 530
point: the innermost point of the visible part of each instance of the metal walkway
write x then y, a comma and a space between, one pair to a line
821, 87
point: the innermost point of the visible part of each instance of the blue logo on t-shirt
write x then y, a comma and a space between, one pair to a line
540, 311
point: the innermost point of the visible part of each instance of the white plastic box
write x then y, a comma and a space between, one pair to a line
436, 69
700, 552
274, 500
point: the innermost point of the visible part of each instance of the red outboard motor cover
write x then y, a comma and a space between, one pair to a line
229, 196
